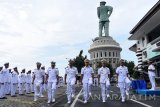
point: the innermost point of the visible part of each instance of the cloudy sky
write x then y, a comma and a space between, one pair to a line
46, 30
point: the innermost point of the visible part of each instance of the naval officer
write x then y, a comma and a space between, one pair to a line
87, 79
38, 80
70, 79
14, 81
151, 74
52, 75
104, 79
122, 74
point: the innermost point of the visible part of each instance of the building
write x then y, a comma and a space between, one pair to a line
147, 36
104, 48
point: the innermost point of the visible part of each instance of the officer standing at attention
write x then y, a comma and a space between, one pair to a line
2, 86
104, 79
28, 82
151, 74
22, 81
6, 78
14, 82
52, 79
70, 79
122, 74
87, 79
38, 80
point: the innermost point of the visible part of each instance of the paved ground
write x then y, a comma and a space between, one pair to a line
133, 100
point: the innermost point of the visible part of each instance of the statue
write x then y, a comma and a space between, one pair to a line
104, 13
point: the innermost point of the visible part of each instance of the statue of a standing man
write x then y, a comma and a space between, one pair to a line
104, 13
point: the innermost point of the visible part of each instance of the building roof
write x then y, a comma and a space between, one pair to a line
149, 14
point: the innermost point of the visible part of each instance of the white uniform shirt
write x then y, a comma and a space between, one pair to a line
6, 75
87, 73
71, 73
22, 78
28, 78
14, 77
151, 73
52, 74
103, 72
39, 74
122, 72
1, 77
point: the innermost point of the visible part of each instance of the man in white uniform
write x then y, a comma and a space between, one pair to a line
14, 82
38, 80
52, 79
151, 74
2, 86
22, 81
6, 78
28, 82
70, 79
122, 74
104, 79
87, 79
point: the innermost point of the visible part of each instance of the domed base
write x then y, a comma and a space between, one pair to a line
103, 37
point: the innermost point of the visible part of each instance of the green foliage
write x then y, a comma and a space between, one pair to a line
130, 65
79, 61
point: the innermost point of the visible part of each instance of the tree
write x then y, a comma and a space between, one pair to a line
130, 65
79, 61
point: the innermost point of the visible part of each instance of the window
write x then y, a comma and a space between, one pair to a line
109, 54
94, 55
97, 55
143, 39
105, 54
113, 54
101, 54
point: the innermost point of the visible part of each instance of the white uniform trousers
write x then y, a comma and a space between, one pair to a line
8, 89
2, 90
153, 82
51, 90
86, 90
70, 91
104, 90
122, 87
28, 88
13, 88
41, 90
21, 88
37, 91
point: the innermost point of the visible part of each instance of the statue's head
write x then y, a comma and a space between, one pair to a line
102, 3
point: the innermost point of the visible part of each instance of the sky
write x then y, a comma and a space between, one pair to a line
56, 30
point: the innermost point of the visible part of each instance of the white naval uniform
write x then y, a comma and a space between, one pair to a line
71, 73
104, 81
14, 83
39, 75
52, 81
22, 81
87, 81
2, 84
28, 83
122, 72
6, 80
151, 74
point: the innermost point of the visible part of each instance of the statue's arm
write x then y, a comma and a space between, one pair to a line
110, 9
98, 12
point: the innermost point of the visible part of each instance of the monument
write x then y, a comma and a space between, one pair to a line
103, 46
